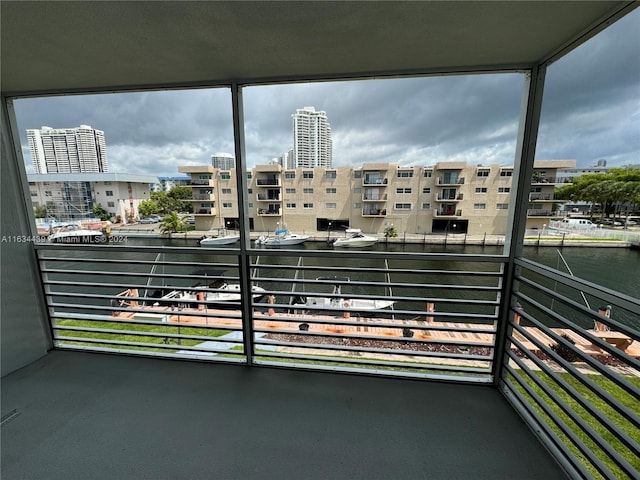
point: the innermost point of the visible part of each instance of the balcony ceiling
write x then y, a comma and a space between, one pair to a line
74, 46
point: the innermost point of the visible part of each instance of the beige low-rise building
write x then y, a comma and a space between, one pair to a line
448, 197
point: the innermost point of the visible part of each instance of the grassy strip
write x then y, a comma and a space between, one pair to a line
169, 329
613, 416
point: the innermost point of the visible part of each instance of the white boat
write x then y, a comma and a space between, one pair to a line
282, 238
355, 238
339, 302
222, 238
72, 233
214, 292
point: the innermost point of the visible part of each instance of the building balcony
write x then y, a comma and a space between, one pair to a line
448, 198
371, 197
203, 196
378, 181
205, 211
374, 212
268, 182
540, 180
267, 198
447, 213
264, 212
540, 213
450, 181
200, 183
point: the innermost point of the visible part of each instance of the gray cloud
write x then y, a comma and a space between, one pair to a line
591, 110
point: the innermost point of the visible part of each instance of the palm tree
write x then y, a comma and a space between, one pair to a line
173, 223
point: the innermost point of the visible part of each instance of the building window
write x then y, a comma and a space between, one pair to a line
111, 204
357, 174
402, 206
249, 176
204, 177
227, 205
506, 173
331, 190
479, 206
249, 191
425, 206
483, 173
226, 191
502, 206
357, 205
405, 173
289, 175
307, 190
481, 189
428, 173
330, 174
357, 190
107, 183
290, 205
403, 190
426, 190
34, 194
307, 174
225, 175
330, 205
290, 191
308, 205
504, 189
250, 205
109, 193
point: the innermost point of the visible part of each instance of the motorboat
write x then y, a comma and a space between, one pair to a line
219, 291
72, 233
338, 301
355, 238
282, 238
222, 238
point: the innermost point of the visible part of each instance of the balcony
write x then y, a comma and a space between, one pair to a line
374, 197
269, 212
203, 196
447, 213
540, 213
267, 198
199, 183
378, 181
374, 212
448, 198
205, 211
542, 180
268, 182
450, 180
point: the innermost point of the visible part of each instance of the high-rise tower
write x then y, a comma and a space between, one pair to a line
68, 150
311, 138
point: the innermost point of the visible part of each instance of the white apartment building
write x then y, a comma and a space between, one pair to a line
449, 197
312, 145
68, 150
72, 196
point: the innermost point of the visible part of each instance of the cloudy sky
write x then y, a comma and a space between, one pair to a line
591, 111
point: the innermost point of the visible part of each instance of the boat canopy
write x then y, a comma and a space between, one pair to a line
282, 231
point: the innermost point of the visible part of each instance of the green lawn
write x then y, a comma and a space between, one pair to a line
614, 417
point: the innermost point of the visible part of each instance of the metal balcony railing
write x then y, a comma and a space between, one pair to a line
369, 312
372, 197
540, 213
571, 367
448, 213
450, 181
203, 196
262, 197
268, 182
374, 181
533, 197
202, 182
374, 212
449, 198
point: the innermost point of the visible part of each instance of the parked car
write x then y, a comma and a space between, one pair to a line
190, 219
148, 220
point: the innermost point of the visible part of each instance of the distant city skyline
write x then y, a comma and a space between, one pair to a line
590, 112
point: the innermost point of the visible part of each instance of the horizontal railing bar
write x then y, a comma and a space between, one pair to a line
393, 312
138, 333
396, 298
566, 430
363, 283
160, 346
375, 337
629, 360
253, 252
104, 318
569, 368
184, 313
611, 296
136, 274
375, 372
382, 324
575, 395
380, 270
158, 263
385, 363
622, 328
238, 358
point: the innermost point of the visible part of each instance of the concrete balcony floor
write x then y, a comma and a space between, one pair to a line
91, 416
